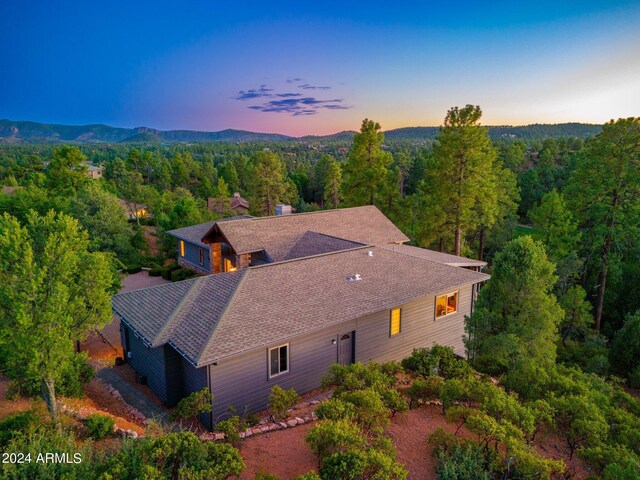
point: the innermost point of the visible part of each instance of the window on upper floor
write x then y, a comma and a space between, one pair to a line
229, 266
446, 304
395, 321
278, 360
201, 259
182, 248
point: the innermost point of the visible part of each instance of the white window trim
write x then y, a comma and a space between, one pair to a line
435, 307
269, 360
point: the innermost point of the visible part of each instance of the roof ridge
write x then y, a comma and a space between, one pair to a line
360, 247
193, 290
244, 272
160, 286
316, 212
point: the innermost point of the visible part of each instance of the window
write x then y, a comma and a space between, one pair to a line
182, 248
201, 256
446, 304
228, 266
394, 327
278, 360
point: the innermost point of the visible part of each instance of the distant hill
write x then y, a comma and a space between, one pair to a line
18, 132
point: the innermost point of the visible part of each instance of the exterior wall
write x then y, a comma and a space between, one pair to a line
243, 381
147, 361
419, 328
191, 258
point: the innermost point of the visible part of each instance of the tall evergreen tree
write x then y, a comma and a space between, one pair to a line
366, 170
604, 194
269, 185
460, 192
53, 292
332, 185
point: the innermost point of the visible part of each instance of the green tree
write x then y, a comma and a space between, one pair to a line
577, 314
365, 172
269, 185
461, 181
516, 317
604, 193
625, 348
332, 185
67, 170
554, 218
54, 291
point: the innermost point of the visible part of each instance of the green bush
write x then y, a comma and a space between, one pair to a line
371, 412
393, 400
231, 428
463, 462
423, 390
358, 376
99, 426
336, 409
332, 436
280, 401
133, 269
14, 425
193, 405
181, 274
262, 475
436, 361
156, 271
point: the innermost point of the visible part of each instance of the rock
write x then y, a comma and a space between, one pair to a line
292, 422
314, 417
282, 424
264, 428
218, 436
248, 433
274, 426
257, 431
241, 434
299, 420
314, 402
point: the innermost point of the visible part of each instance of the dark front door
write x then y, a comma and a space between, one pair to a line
345, 348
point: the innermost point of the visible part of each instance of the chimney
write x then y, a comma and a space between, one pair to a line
236, 194
283, 210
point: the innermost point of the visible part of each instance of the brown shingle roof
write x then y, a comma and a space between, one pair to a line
234, 312
438, 257
194, 233
278, 234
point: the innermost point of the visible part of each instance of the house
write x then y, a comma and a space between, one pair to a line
235, 205
94, 172
134, 210
314, 289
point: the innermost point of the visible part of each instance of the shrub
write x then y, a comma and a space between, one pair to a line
463, 462
331, 436
231, 428
156, 271
336, 409
73, 376
181, 274
436, 361
442, 441
15, 424
133, 269
422, 391
192, 405
358, 376
99, 426
371, 412
393, 400
262, 475
308, 476
280, 401
359, 464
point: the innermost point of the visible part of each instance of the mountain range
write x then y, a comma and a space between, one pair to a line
24, 132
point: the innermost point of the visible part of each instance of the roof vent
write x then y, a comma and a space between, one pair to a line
354, 278
370, 253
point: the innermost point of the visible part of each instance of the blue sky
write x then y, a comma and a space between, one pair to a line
253, 66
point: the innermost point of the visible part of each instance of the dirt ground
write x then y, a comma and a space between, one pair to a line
9, 407
286, 454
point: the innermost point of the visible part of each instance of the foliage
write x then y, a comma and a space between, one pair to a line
15, 424
625, 348
422, 390
359, 376
281, 400
175, 455
54, 291
438, 360
370, 409
367, 167
99, 426
332, 436
362, 465
336, 409
194, 404
231, 428
464, 462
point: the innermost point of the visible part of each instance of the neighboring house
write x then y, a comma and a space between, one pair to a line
323, 287
94, 171
235, 205
134, 210
9, 190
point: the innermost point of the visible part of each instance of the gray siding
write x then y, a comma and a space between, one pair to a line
192, 256
193, 380
149, 362
419, 328
243, 380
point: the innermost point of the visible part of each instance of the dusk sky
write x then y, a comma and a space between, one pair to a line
300, 68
